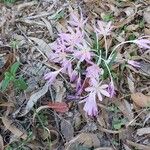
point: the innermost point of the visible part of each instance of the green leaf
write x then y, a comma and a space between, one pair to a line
20, 83
6, 81
14, 68
4, 85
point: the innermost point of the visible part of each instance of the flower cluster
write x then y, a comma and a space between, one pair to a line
81, 61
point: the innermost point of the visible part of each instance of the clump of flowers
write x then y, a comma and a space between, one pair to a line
83, 59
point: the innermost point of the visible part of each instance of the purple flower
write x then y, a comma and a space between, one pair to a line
67, 67
97, 89
134, 63
76, 21
72, 38
111, 89
90, 106
73, 76
83, 52
104, 28
93, 71
51, 76
78, 84
143, 43
58, 45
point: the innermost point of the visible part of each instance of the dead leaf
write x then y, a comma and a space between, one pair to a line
126, 109
146, 15
9, 126
67, 129
27, 4
1, 143
49, 27
42, 45
60, 91
138, 146
34, 98
87, 139
143, 131
9, 61
140, 99
131, 85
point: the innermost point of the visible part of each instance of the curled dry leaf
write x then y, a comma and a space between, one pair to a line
141, 99
9, 126
34, 98
143, 131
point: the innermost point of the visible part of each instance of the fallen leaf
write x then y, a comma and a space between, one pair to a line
27, 4
67, 129
42, 45
89, 140
60, 91
147, 14
138, 146
1, 143
131, 85
143, 131
49, 27
141, 99
9, 126
34, 98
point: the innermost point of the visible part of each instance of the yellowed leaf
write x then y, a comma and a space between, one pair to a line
141, 99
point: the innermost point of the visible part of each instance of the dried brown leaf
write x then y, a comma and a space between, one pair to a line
87, 139
140, 99
9, 126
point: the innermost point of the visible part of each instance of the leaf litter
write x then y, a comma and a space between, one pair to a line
28, 30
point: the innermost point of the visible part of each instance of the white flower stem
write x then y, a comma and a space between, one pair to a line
106, 46
117, 47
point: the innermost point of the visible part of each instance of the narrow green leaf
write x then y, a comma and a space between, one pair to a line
14, 68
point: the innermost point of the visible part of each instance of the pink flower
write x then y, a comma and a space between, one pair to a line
72, 38
73, 76
76, 21
134, 63
93, 71
97, 89
90, 106
104, 28
57, 57
58, 45
83, 52
67, 67
78, 84
51, 76
143, 43
111, 89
